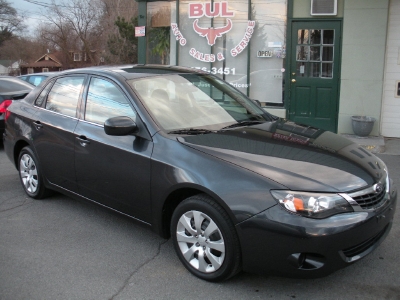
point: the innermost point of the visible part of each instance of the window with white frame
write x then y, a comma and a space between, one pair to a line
45, 69
30, 70
77, 56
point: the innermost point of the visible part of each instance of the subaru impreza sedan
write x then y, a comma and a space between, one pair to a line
187, 154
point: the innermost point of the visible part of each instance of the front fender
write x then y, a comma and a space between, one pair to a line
242, 193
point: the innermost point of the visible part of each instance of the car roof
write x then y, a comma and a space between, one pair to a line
137, 71
17, 80
10, 85
40, 74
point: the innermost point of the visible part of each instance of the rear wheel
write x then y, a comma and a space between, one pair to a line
205, 239
30, 175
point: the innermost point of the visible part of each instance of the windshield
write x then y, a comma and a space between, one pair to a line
195, 101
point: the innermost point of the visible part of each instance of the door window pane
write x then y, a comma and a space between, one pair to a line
327, 54
64, 95
315, 53
302, 53
328, 37
315, 37
315, 70
104, 101
302, 36
327, 70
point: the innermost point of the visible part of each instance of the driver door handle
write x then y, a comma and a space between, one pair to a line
83, 140
37, 125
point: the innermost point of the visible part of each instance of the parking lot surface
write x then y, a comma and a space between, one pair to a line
61, 248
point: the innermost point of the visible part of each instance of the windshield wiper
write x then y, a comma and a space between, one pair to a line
242, 123
191, 131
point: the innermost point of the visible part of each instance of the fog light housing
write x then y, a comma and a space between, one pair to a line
306, 261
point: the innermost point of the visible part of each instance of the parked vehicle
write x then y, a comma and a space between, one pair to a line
11, 88
191, 156
36, 78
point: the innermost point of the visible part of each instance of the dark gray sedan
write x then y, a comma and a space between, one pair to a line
190, 156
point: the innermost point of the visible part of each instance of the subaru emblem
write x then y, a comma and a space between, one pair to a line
378, 188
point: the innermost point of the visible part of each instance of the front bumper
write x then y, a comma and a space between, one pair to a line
276, 242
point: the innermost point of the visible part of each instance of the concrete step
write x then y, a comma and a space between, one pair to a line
377, 144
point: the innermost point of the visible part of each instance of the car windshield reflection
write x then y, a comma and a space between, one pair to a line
195, 101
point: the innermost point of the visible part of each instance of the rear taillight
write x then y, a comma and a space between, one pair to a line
4, 105
3, 108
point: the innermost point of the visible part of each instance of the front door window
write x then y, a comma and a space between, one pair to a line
315, 53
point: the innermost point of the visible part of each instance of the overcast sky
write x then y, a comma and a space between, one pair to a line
30, 11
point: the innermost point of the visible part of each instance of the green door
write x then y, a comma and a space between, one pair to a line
314, 73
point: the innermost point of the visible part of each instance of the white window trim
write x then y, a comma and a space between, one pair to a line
45, 70
77, 56
30, 70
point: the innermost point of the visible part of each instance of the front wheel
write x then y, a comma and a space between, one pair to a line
30, 175
205, 239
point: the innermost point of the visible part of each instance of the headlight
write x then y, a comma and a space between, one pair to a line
312, 205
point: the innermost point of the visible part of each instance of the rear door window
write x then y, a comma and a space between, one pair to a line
64, 95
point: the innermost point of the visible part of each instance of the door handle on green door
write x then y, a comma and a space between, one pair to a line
293, 80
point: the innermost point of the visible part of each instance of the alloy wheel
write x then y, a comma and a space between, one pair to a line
200, 241
29, 173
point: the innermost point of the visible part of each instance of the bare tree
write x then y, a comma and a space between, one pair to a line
74, 24
23, 49
10, 21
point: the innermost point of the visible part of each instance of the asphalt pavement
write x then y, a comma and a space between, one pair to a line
61, 248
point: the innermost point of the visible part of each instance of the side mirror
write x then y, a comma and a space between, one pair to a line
119, 126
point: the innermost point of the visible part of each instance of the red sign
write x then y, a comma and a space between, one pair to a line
212, 10
212, 33
220, 9
140, 31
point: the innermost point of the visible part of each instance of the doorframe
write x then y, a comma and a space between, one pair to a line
290, 20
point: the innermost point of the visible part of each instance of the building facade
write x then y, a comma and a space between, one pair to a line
317, 62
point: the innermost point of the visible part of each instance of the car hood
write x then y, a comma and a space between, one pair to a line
296, 156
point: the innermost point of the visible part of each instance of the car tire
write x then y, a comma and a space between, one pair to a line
30, 174
205, 239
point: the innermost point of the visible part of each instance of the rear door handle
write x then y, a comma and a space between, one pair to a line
83, 140
37, 125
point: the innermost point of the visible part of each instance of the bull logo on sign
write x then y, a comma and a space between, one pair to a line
212, 33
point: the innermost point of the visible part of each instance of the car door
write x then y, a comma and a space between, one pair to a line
54, 125
112, 170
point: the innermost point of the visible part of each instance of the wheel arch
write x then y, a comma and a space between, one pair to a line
177, 196
17, 150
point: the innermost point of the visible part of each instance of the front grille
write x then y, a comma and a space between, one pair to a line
371, 200
364, 246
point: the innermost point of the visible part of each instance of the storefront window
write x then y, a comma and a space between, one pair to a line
160, 15
226, 39
268, 49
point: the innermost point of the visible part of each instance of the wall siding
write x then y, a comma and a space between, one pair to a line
363, 61
390, 121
